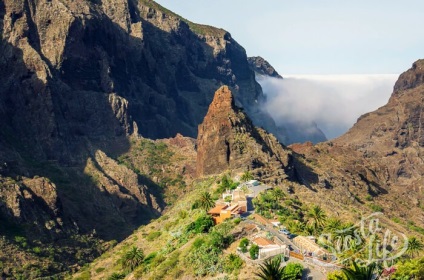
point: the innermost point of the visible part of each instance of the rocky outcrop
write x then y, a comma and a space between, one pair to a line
228, 140
262, 67
33, 201
411, 78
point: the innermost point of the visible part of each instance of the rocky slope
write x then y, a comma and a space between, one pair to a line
393, 134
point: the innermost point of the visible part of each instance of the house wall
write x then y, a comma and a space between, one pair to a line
222, 217
272, 251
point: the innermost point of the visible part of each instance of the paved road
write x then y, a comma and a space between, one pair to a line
255, 190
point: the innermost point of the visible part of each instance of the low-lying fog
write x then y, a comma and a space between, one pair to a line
333, 102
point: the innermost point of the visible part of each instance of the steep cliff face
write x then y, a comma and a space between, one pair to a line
228, 140
87, 70
78, 77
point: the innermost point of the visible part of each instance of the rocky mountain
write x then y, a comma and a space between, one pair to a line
228, 140
80, 81
79, 77
393, 133
262, 67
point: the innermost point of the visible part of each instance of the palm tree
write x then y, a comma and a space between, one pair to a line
132, 258
414, 246
356, 272
206, 201
333, 224
294, 226
317, 217
246, 176
345, 241
271, 270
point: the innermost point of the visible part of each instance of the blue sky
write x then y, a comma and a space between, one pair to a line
321, 36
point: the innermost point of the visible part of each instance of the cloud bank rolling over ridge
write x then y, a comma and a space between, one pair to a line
333, 102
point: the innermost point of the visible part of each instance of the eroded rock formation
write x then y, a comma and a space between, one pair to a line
228, 140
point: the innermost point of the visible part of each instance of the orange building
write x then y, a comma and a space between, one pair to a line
222, 212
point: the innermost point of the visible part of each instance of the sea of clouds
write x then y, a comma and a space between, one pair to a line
333, 102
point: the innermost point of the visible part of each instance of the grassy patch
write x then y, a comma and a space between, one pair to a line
153, 235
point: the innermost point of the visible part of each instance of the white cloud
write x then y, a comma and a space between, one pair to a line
334, 102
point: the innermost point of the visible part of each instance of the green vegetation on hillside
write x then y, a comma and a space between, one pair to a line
184, 241
409, 269
155, 163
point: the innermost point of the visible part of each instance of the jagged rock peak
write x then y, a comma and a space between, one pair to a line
411, 78
262, 67
223, 100
228, 140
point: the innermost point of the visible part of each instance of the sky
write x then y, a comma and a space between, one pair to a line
320, 36
339, 59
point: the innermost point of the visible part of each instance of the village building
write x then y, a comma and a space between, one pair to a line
309, 248
226, 211
269, 248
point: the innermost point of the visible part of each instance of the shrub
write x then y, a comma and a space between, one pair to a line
100, 269
254, 251
116, 276
217, 240
36, 250
202, 224
293, 271
226, 183
22, 241
336, 275
232, 262
153, 235
376, 208
396, 220
243, 245
182, 214
149, 258
205, 260
410, 269
198, 242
